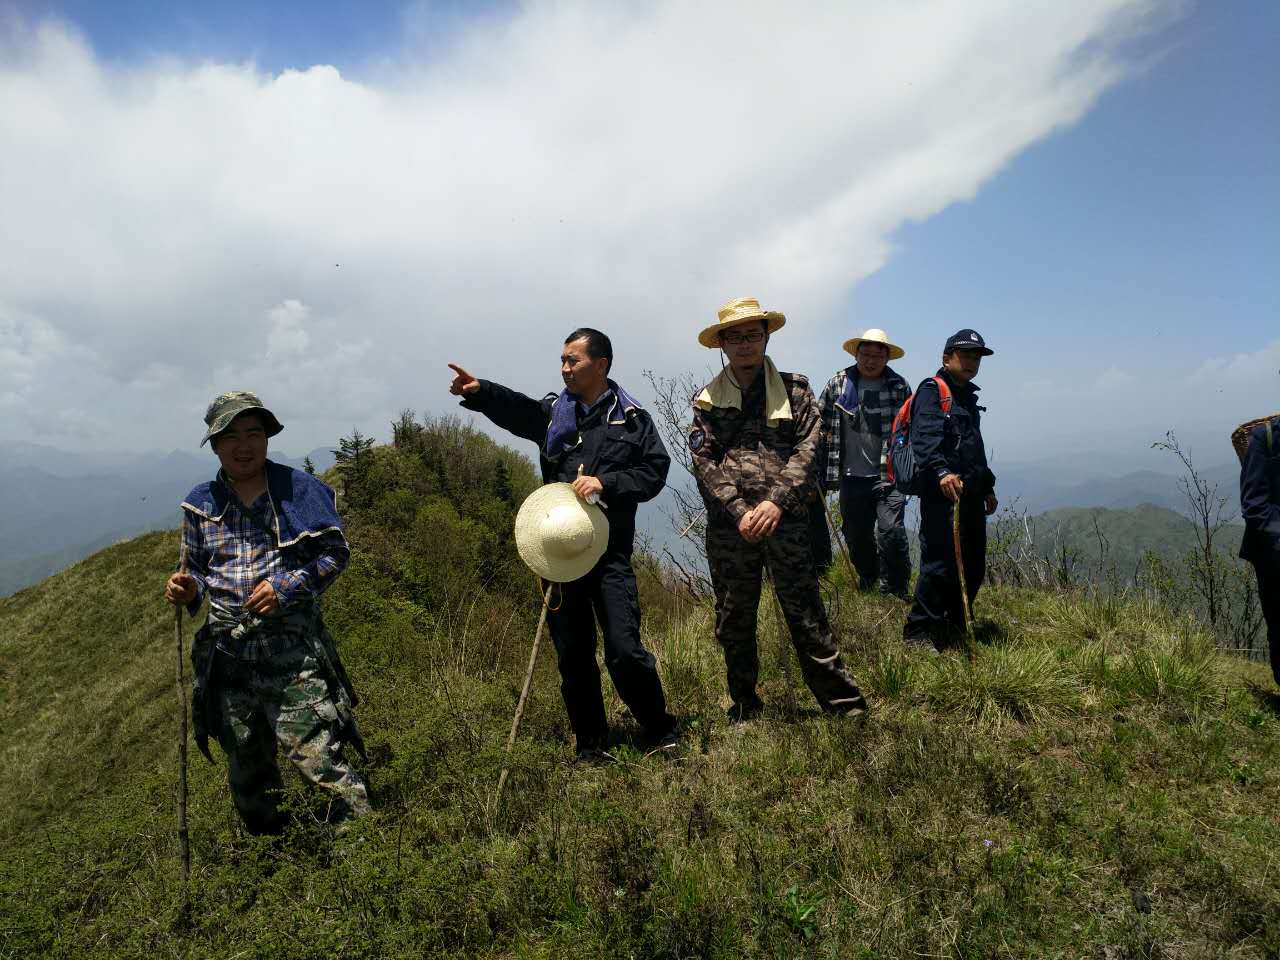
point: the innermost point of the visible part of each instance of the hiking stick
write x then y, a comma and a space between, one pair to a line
840, 541
964, 589
524, 697
184, 839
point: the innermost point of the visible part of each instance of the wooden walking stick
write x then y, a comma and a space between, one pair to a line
524, 696
970, 643
840, 541
184, 839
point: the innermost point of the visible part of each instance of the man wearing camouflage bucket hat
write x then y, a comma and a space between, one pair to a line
262, 541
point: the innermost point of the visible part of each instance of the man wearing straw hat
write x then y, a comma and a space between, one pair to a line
594, 435
1260, 509
262, 541
754, 441
858, 406
952, 473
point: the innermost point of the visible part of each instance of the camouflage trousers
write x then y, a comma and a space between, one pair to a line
283, 699
736, 569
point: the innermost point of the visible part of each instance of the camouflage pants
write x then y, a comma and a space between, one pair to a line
285, 700
736, 568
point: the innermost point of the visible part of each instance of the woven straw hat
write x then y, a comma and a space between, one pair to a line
875, 335
559, 535
735, 312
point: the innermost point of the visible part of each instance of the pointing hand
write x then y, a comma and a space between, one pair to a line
463, 382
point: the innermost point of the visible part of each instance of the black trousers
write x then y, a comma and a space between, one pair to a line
608, 595
1268, 572
871, 518
937, 602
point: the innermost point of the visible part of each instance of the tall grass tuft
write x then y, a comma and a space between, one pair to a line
893, 675
1027, 685
1184, 667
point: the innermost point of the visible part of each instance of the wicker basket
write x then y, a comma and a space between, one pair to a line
1240, 435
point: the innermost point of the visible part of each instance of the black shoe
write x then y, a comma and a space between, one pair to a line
594, 757
665, 736
742, 712
920, 641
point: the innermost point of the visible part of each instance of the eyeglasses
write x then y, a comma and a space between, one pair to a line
734, 339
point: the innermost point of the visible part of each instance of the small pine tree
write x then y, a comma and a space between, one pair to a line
502, 483
352, 460
308, 466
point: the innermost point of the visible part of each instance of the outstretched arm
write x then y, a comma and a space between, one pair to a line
509, 409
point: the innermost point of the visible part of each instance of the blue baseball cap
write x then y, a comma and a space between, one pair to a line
967, 340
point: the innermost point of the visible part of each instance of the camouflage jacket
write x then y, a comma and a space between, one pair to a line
739, 461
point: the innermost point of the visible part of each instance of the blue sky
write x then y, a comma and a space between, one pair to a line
1119, 248
275, 34
1143, 238
1153, 220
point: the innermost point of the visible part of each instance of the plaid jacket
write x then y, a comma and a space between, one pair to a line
894, 391
230, 556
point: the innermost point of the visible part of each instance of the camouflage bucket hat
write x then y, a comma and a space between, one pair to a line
226, 407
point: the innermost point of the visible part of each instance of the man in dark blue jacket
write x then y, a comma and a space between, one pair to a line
951, 462
1260, 508
594, 435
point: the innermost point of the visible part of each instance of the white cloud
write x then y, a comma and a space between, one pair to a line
629, 166
287, 335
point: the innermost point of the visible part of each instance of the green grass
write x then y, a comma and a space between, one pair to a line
1097, 783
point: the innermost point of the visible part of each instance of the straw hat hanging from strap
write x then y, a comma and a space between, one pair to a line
875, 335
559, 535
735, 312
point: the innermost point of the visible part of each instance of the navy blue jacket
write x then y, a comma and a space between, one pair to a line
1260, 496
950, 444
619, 447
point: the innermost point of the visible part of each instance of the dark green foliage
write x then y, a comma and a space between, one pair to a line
1100, 783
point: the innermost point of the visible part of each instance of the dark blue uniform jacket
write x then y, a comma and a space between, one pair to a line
950, 444
621, 448
1260, 496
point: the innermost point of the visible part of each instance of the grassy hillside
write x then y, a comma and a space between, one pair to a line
1099, 783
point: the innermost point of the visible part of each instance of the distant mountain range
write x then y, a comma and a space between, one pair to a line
1109, 545
1039, 487
57, 507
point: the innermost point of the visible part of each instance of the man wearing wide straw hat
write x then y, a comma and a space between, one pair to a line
262, 541
595, 436
858, 406
754, 440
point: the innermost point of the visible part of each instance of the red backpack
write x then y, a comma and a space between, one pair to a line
901, 465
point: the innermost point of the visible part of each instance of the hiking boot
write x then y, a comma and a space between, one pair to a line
594, 757
921, 641
742, 712
665, 737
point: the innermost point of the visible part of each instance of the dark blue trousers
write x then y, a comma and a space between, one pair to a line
937, 602
608, 595
1268, 572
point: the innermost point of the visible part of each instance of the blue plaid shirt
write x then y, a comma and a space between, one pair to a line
893, 394
231, 556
